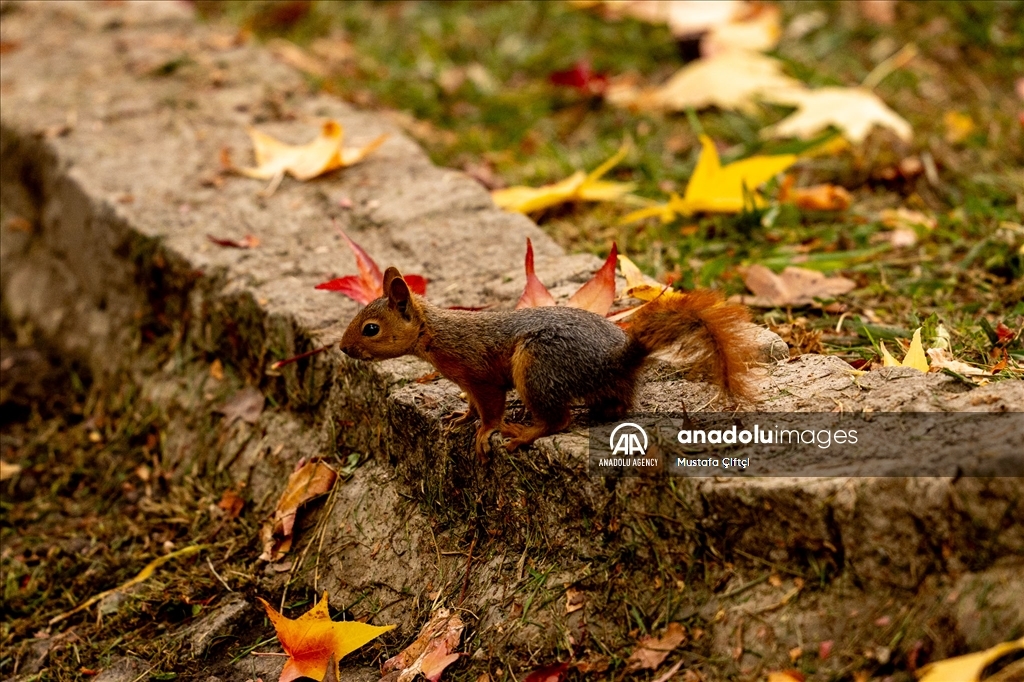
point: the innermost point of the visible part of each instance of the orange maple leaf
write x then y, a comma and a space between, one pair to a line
597, 295
313, 638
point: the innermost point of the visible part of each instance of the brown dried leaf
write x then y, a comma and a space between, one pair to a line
231, 502
574, 600
816, 197
794, 287
8, 470
432, 651
309, 481
652, 651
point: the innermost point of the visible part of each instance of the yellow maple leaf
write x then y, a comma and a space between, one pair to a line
304, 162
579, 186
915, 356
639, 285
718, 189
313, 638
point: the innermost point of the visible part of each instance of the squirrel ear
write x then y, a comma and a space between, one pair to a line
397, 291
390, 274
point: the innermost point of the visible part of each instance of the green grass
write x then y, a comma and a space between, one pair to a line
475, 76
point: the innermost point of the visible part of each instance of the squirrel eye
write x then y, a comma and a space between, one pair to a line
371, 329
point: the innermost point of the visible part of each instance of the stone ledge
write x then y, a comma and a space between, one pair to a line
119, 250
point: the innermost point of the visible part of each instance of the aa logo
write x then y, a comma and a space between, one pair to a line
626, 440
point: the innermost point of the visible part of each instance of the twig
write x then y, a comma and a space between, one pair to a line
887, 66
217, 575
301, 356
469, 563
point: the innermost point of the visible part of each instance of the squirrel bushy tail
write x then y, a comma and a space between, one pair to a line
704, 331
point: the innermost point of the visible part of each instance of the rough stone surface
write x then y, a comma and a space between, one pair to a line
109, 157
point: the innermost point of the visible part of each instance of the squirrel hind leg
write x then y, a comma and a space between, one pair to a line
538, 429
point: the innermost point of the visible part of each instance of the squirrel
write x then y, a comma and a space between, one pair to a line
551, 355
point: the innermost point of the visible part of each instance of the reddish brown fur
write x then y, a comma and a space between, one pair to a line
704, 326
551, 356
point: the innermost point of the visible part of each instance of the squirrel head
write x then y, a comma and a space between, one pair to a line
388, 326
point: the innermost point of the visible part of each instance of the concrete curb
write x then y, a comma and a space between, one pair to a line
108, 156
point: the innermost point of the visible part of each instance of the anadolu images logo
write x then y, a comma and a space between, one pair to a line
628, 441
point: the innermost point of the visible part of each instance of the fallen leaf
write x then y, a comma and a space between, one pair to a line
232, 503
574, 600
246, 404
900, 238
904, 218
825, 649
145, 574
685, 18
579, 186
794, 287
549, 673
969, 668
914, 358
368, 285
581, 77
652, 651
217, 370
854, 111
309, 481
668, 674
305, 162
596, 295
432, 651
535, 294
758, 30
8, 470
943, 359
958, 126
639, 285
815, 198
247, 242
730, 80
313, 639
786, 676
718, 189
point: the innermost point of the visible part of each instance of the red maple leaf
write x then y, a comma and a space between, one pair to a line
597, 295
369, 283
581, 77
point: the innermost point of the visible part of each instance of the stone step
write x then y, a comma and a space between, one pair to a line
110, 144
